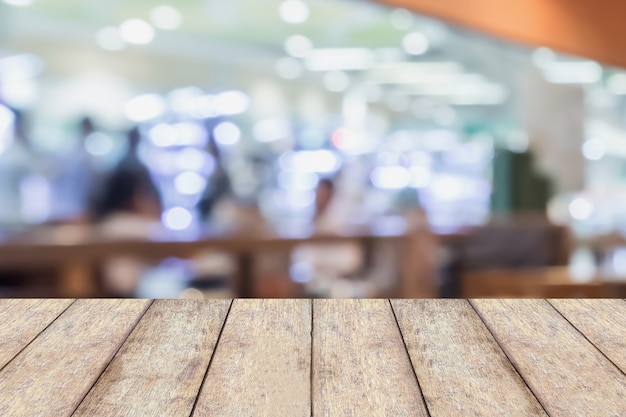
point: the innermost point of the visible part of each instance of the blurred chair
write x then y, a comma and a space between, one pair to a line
510, 256
595, 289
503, 283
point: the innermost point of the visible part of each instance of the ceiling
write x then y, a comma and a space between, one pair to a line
249, 33
590, 29
237, 43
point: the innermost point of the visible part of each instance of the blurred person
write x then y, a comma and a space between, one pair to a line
76, 179
426, 257
218, 187
333, 263
327, 211
15, 165
131, 160
129, 207
220, 206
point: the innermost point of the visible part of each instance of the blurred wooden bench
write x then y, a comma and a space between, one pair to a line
551, 282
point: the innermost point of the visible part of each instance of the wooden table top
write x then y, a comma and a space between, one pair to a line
59, 244
313, 357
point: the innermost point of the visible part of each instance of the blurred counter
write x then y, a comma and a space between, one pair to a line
75, 251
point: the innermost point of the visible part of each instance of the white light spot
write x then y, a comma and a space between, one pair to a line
336, 81
109, 38
205, 107
184, 100
232, 102
163, 163
289, 68
322, 161
20, 93
272, 130
421, 177
401, 19
302, 272
144, 108
190, 134
298, 46
191, 294
391, 177
422, 108
415, 43
166, 17
163, 135
444, 116
616, 84
36, 198
373, 93
619, 262
7, 120
99, 144
448, 187
294, 11
227, 133
195, 160
580, 208
137, 31
20, 67
594, 149
576, 72
543, 56
421, 158
398, 102
297, 180
300, 199
19, 3
190, 183
177, 218
518, 142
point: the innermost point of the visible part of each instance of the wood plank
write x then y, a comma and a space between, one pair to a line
158, 371
461, 368
568, 375
52, 375
603, 322
360, 365
262, 364
22, 320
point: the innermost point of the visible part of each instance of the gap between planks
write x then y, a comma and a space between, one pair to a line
43, 329
132, 329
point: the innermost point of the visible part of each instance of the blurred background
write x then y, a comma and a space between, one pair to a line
299, 148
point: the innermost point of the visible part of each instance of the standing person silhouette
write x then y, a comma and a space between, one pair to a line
15, 165
129, 207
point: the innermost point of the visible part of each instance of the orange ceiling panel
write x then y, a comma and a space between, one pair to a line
595, 29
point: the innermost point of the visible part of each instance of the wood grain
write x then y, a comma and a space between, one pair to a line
360, 365
603, 322
568, 375
22, 320
52, 375
262, 364
158, 371
461, 368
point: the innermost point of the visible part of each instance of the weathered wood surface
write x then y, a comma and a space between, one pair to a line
567, 374
603, 322
29, 317
360, 365
430, 358
54, 373
160, 368
263, 362
461, 368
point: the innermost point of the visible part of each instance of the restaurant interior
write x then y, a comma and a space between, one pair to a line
299, 148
